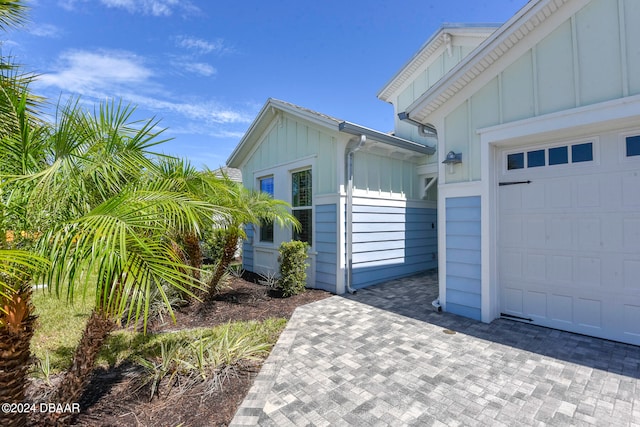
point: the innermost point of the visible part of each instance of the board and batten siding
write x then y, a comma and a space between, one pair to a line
326, 245
378, 175
391, 242
288, 140
247, 248
592, 57
463, 255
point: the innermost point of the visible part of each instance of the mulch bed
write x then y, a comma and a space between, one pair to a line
111, 399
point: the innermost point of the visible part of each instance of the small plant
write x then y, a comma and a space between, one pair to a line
236, 270
270, 280
43, 367
293, 265
159, 368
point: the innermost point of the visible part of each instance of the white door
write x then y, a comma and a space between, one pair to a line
569, 238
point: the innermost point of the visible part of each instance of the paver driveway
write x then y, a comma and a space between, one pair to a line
384, 357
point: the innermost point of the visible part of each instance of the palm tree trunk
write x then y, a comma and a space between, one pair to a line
230, 247
75, 380
14, 359
194, 253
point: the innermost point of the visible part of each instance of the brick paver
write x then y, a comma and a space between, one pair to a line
383, 357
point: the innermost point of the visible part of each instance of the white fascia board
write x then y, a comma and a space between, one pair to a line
533, 15
428, 52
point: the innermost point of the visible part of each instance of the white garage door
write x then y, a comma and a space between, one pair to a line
569, 240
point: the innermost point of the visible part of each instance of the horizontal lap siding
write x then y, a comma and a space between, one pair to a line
326, 247
392, 242
463, 252
247, 249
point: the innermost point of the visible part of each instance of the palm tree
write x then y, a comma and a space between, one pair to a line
250, 207
19, 127
109, 225
180, 175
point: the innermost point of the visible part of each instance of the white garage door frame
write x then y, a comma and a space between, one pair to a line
617, 115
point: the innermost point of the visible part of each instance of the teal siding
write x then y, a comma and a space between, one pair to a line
326, 247
392, 242
463, 249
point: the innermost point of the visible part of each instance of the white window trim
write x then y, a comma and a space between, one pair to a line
282, 190
259, 241
622, 147
313, 201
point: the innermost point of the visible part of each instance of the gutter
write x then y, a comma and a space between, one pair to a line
354, 145
423, 129
395, 141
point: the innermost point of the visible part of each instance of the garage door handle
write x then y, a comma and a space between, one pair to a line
513, 183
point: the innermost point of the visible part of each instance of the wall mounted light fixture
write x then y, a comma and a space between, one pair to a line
452, 159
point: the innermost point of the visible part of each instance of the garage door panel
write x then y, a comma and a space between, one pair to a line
511, 268
512, 299
631, 318
569, 247
561, 309
535, 305
631, 189
588, 272
631, 269
588, 313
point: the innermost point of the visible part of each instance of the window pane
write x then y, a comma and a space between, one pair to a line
266, 230
558, 155
266, 185
535, 159
582, 152
301, 191
305, 233
515, 161
633, 146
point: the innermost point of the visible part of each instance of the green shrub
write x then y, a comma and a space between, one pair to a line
293, 275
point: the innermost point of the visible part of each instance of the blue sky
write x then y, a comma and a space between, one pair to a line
205, 68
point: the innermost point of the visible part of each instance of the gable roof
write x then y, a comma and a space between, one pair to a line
271, 108
531, 16
428, 49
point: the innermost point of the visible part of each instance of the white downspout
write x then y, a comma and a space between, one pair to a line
351, 148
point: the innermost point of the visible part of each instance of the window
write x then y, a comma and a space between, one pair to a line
582, 152
535, 159
633, 145
301, 202
558, 155
266, 230
515, 161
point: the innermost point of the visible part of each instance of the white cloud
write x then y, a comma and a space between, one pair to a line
152, 7
202, 46
86, 72
45, 30
200, 68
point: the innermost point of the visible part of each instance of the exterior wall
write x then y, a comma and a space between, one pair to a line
381, 175
286, 141
326, 247
392, 240
247, 249
590, 58
463, 256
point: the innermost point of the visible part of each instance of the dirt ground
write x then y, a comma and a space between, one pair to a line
111, 399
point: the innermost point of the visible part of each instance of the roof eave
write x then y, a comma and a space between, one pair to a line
522, 23
357, 130
427, 49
